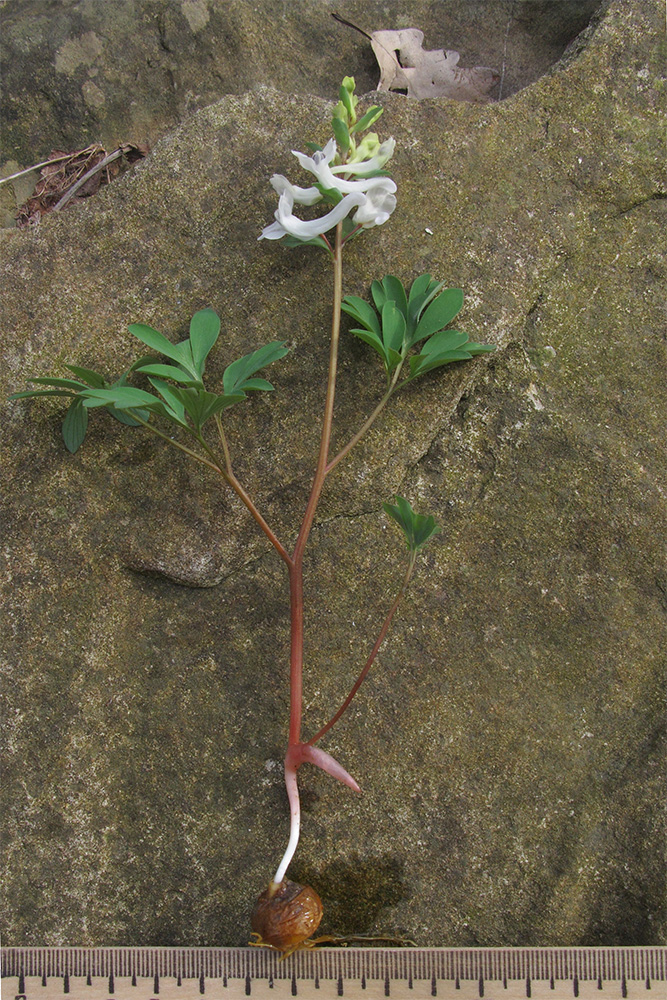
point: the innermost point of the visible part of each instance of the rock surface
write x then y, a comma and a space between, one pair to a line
508, 741
81, 71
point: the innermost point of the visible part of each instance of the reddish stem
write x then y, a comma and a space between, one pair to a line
296, 565
371, 659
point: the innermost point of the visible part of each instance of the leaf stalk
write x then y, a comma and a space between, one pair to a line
371, 659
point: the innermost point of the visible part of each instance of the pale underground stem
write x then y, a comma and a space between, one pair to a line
295, 819
298, 754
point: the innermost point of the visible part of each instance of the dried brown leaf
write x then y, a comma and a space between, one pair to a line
428, 73
82, 172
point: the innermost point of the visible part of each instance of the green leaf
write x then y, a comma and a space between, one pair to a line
173, 409
439, 313
379, 294
60, 383
124, 417
75, 425
168, 371
393, 326
122, 398
361, 311
236, 374
258, 383
204, 331
372, 338
180, 353
422, 291
351, 230
416, 528
419, 288
31, 393
441, 349
341, 134
394, 292
89, 377
145, 359
395, 359
444, 341
219, 403
474, 349
368, 119
201, 405
420, 365
330, 195
345, 98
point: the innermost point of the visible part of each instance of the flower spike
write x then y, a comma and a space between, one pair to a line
348, 175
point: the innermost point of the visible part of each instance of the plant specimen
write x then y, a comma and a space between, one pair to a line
408, 329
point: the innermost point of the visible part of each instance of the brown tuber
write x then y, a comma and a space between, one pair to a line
285, 915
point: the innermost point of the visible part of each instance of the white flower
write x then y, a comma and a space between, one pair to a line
318, 164
384, 153
287, 223
380, 203
303, 196
372, 197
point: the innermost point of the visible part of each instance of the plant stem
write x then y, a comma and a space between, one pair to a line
176, 444
368, 423
293, 758
223, 442
228, 476
296, 568
369, 662
325, 437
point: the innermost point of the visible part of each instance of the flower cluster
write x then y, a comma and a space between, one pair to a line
356, 185
372, 197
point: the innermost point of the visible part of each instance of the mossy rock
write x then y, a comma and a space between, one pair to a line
509, 739
79, 71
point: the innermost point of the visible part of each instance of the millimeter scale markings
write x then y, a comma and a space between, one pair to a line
67, 973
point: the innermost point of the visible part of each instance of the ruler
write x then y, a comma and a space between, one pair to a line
70, 973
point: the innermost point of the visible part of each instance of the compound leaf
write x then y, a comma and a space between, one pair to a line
168, 371
341, 134
31, 393
60, 383
368, 119
360, 310
91, 378
123, 398
393, 326
395, 292
416, 528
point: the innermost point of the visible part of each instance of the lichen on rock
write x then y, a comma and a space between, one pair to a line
515, 721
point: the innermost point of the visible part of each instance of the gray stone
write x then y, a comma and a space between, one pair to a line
81, 71
508, 741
